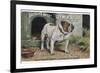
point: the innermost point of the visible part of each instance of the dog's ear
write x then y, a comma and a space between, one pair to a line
72, 27
62, 22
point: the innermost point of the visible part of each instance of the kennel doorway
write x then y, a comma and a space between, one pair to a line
37, 26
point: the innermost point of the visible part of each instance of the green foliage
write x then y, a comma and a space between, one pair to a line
30, 43
74, 39
83, 42
86, 32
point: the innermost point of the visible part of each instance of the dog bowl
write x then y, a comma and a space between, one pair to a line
27, 53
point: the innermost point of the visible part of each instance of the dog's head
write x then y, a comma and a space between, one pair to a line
66, 25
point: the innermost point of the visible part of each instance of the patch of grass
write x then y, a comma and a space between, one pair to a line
86, 32
74, 39
83, 42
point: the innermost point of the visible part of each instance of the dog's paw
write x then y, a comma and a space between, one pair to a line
42, 49
67, 52
52, 53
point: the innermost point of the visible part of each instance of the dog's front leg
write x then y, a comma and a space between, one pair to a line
66, 46
52, 46
67, 42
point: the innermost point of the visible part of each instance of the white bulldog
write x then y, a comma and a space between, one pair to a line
55, 33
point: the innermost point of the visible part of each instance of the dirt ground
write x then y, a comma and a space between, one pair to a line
74, 53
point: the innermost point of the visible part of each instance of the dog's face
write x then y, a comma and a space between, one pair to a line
65, 25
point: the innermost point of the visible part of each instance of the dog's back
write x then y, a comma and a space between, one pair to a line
48, 29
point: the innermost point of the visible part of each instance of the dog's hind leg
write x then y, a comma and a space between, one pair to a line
47, 43
52, 46
42, 41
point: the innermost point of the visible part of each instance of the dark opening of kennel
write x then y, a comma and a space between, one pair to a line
37, 25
